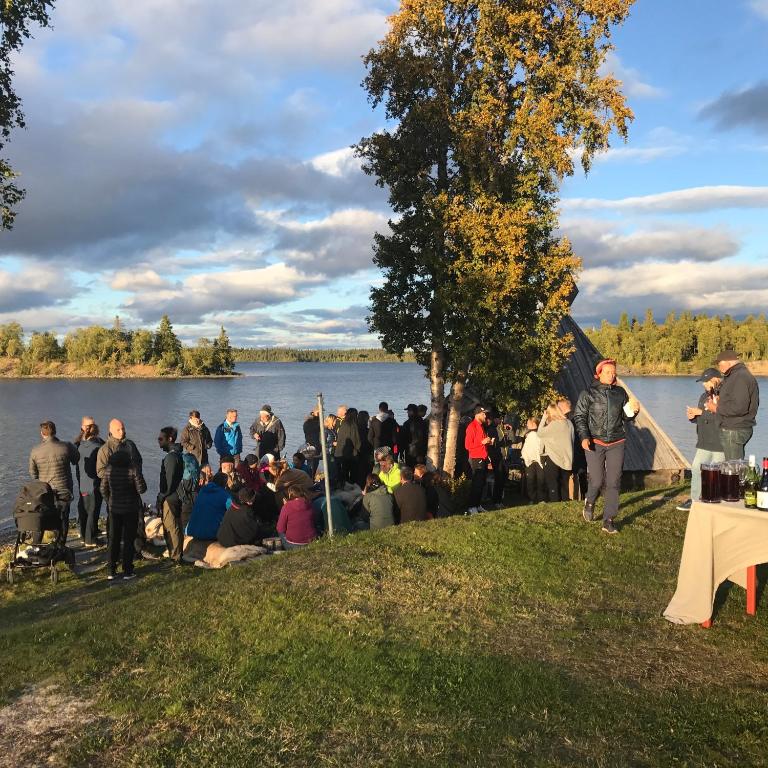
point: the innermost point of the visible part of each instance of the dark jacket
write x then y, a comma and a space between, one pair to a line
382, 432
411, 501
171, 472
599, 413
271, 436
347, 440
412, 439
51, 462
707, 428
112, 446
739, 399
122, 485
197, 441
312, 431
241, 525
87, 479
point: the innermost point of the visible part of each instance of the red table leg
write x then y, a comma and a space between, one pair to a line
707, 624
752, 590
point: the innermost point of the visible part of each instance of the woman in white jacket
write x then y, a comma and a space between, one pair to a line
556, 435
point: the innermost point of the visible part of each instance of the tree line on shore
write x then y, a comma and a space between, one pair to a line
292, 355
682, 342
110, 351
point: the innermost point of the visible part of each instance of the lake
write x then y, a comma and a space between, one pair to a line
290, 388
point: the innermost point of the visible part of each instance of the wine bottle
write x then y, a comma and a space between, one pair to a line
751, 481
762, 489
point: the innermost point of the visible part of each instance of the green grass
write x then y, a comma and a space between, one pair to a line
520, 637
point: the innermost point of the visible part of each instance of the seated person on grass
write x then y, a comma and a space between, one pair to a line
296, 526
389, 472
426, 480
300, 462
339, 515
250, 474
377, 504
211, 503
242, 524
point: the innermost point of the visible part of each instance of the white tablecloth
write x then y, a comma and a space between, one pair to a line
721, 542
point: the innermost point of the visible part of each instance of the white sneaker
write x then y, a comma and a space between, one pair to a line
471, 511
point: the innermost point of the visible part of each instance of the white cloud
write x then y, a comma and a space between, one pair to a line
237, 289
132, 280
760, 7
693, 199
633, 84
719, 287
33, 288
339, 162
599, 242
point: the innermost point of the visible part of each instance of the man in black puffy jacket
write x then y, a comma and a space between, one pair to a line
599, 419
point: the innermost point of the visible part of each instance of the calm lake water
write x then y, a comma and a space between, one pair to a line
290, 388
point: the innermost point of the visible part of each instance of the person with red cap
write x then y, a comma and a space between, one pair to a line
599, 418
476, 441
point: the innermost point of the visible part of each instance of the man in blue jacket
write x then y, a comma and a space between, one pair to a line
229, 437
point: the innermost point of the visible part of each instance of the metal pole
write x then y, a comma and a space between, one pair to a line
324, 449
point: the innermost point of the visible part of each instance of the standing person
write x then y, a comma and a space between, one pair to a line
531, 456
341, 412
410, 498
117, 442
736, 404
600, 415
168, 501
382, 433
122, 485
269, 433
365, 457
476, 442
347, 450
709, 447
51, 461
312, 438
332, 470
85, 422
556, 436
196, 438
89, 501
413, 437
495, 429
228, 440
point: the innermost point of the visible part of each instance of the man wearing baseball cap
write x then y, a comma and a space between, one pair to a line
476, 442
709, 447
737, 404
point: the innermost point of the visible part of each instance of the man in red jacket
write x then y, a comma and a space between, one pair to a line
475, 442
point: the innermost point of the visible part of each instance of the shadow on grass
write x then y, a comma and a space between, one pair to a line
659, 498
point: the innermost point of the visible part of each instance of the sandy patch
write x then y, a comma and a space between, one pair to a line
35, 728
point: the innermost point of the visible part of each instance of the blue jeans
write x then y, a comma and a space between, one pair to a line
288, 544
702, 457
733, 441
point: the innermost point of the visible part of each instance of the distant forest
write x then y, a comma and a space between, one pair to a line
115, 351
290, 355
681, 343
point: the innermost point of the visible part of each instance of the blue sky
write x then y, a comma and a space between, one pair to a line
193, 158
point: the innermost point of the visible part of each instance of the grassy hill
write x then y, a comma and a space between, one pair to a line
520, 637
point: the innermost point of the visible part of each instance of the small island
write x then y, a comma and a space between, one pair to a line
99, 352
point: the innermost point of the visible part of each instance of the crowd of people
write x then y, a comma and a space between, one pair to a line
377, 469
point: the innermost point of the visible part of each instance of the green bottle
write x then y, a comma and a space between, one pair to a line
751, 482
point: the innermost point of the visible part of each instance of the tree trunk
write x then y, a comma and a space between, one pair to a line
452, 429
437, 404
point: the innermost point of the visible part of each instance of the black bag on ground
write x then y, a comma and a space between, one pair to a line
35, 509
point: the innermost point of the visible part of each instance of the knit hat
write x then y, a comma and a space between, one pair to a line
599, 367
